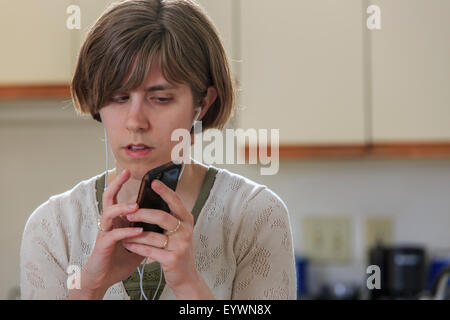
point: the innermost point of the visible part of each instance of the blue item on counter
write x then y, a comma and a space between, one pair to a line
436, 265
301, 264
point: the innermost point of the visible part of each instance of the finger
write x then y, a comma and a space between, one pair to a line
153, 239
163, 256
107, 217
159, 217
110, 195
173, 201
110, 239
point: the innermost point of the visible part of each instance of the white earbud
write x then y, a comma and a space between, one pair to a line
199, 109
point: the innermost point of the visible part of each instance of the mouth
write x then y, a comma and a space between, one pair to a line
137, 147
137, 151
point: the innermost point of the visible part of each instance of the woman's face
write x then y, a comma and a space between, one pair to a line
148, 115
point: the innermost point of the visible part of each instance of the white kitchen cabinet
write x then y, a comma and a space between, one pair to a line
90, 12
36, 43
411, 71
37, 46
221, 14
302, 70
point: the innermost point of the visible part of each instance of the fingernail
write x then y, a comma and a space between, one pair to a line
130, 216
138, 230
132, 206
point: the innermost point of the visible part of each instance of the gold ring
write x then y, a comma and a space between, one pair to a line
176, 228
166, 242
100, 227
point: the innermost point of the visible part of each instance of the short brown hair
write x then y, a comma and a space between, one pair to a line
178, 33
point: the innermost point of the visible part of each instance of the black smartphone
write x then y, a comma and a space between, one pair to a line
169, 174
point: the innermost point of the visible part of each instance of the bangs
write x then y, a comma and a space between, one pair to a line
133, 70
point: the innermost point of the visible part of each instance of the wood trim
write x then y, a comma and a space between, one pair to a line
313, 151
400, 149
11, 92
412, 149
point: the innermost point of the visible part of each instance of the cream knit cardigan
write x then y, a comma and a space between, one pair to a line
242, 241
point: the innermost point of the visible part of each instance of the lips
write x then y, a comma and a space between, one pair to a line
137, 145
138, 150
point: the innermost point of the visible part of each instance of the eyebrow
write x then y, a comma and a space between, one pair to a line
160, 87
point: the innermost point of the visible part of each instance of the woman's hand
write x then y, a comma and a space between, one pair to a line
174, 250
109, 262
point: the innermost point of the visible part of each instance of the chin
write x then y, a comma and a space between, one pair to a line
136, 174
138, 171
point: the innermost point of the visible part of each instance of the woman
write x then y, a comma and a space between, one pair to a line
143, 71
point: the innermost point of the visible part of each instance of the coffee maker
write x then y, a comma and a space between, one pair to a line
403, 271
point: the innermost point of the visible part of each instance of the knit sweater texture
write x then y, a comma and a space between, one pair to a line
242, 242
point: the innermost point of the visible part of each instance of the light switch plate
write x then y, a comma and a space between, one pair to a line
327, 239
378, 229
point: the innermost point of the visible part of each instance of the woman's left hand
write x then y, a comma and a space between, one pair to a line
174, 249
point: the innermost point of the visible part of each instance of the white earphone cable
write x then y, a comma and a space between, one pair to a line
141, 272
106, 156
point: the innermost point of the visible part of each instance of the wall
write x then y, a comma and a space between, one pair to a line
414, 193
45, 151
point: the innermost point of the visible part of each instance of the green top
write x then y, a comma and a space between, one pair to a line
150, 279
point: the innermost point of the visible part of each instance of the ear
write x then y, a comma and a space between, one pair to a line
208, 100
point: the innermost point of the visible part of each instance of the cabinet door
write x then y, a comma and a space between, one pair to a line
36, 43
220, 13
90, 12
302, 69
411, 71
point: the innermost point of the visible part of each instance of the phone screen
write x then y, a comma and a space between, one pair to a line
169, 174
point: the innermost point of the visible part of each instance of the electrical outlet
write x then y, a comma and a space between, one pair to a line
327, 239
378, 229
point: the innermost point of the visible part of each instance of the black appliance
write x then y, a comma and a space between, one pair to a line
403, 271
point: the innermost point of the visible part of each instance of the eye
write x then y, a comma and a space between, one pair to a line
161, 100
119, 99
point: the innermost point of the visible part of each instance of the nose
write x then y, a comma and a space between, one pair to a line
137, 119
